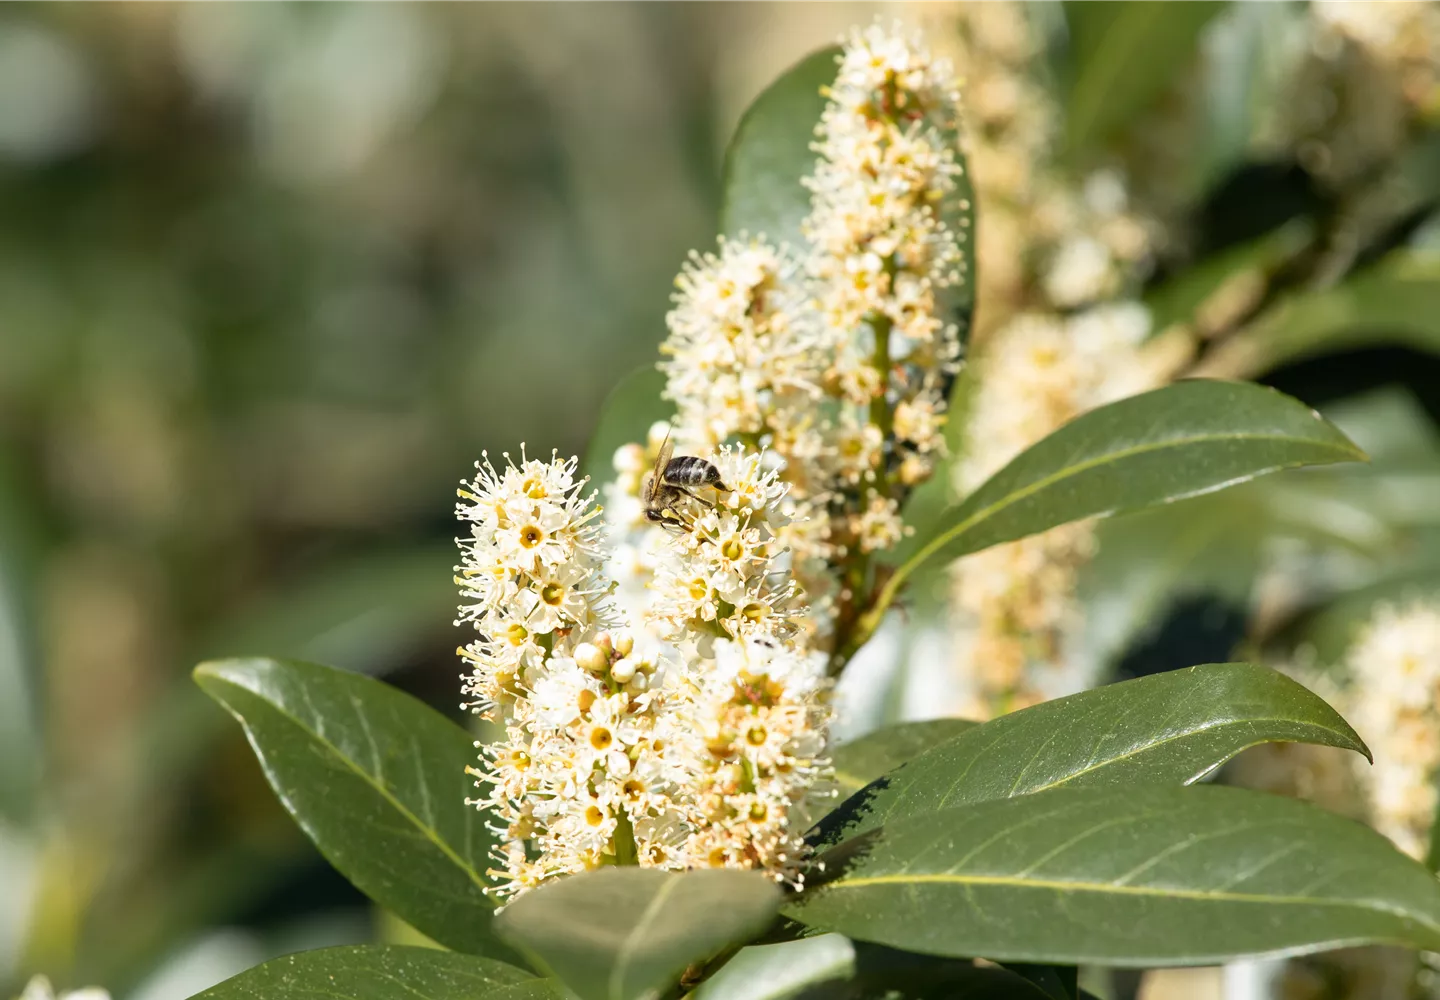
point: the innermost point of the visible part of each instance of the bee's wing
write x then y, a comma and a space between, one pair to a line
657, 474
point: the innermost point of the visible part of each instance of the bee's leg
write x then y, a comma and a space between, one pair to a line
721, 487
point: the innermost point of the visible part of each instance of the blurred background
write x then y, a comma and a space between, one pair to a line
272, 275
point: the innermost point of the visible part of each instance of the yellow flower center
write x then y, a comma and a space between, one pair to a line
517, 634
601, 738
531, 535
755, 736
594, 815
552, 594
732, 549
586, 699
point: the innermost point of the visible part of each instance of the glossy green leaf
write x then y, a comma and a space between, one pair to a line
625, 416
382, 972
1168, 729
770, 152
1396, 301
627, 933
1129, 875
377, 780
777, 971
1178, 441
1123, 56
861, 761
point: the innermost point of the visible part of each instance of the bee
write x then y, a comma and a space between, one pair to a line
673, 478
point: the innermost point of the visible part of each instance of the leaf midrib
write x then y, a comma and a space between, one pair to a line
1196, 895
1069, 471
430, 833
627, 949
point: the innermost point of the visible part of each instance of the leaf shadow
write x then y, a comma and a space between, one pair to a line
830, 829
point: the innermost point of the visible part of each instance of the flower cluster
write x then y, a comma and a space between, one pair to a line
1393, 700
1015, 603
1364, 76
581, 714
881, 248
758, 703
835, 356
745, 355
685, 744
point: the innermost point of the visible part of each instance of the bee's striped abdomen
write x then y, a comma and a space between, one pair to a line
690, 471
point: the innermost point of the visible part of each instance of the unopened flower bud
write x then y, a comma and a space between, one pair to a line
624, 643
591, 657
622, 671
914, 470
605, 645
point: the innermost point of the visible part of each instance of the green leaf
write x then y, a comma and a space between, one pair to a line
1123, 56
22, 546
382, 972
777, 971
626, 933
1183, 297
861, 761
1170, 728
1125, 876
770, 152
377, 780
1178, 441
625, 416
359, 613
1396, 301
1060, 982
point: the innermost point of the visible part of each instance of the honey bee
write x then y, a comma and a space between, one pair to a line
673, 478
